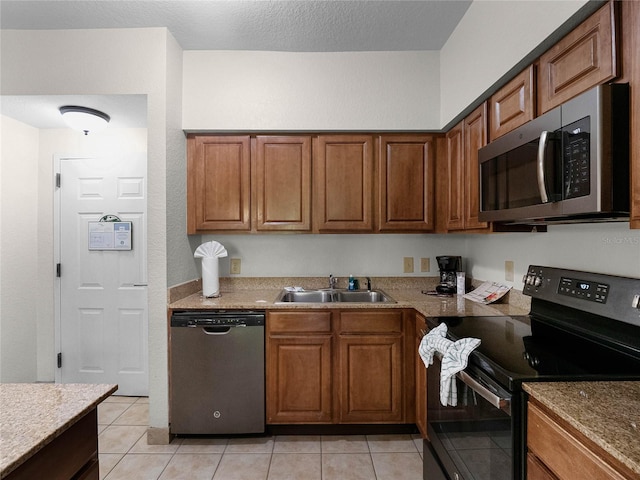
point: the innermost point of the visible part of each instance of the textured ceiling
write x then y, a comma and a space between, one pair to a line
297, 26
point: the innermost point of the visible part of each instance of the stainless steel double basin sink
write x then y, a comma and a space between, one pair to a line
334, 296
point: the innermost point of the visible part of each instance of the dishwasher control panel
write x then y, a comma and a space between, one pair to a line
220, 318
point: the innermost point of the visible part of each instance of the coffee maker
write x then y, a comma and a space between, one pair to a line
449, 266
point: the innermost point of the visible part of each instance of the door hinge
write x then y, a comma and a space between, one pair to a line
58, 270
57, 180
60, 360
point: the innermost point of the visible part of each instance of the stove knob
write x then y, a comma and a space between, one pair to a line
635, 302
537, 281
532, 360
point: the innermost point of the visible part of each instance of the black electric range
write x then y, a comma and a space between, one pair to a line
582, 326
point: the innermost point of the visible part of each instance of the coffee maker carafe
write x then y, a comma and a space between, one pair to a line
449, 266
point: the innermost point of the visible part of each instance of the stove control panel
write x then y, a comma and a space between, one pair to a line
535, 281
592, 291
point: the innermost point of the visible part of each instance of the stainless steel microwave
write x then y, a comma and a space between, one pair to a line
570, 164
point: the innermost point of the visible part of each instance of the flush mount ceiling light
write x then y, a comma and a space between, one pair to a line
84, 119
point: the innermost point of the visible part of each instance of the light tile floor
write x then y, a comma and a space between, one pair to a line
125, 455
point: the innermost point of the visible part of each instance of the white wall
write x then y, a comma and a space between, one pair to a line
610, 248
19, 246
311, 91
340, 255
492, 37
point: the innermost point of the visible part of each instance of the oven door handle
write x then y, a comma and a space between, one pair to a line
484, 392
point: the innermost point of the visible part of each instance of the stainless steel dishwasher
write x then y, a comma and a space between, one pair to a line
217, 372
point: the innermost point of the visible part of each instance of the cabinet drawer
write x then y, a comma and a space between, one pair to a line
371, 322
564, 454
299, 322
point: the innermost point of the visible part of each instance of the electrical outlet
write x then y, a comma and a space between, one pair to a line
425, 264
508, 270
235, 266
408, 264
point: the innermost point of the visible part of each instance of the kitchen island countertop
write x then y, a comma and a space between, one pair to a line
606, 412
32, 415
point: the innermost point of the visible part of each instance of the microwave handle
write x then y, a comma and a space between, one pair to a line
542, 188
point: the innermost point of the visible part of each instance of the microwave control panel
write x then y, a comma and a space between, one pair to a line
576, 162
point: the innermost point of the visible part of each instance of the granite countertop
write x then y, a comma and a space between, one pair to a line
406, 293
34, 414
606, 412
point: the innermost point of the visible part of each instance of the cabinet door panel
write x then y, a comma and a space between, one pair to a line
475, 137
283, 183
371, 383
586, 57
455, 173
343, 179
405, 178
219, 183
513, 105
299, 379
421, 378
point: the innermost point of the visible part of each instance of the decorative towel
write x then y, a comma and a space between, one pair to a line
455, 357
209, 252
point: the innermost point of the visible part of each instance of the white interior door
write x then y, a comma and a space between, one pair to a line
103, 312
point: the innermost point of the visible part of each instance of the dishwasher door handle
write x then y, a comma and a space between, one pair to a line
219, 330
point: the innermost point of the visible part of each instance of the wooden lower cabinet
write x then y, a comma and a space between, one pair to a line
370, 378
421, 378
556, 451
73, 455
298, 373
340, 367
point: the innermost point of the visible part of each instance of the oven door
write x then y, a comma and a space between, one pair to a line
473, 440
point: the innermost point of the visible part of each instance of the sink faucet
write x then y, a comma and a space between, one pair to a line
332, 281
368, 283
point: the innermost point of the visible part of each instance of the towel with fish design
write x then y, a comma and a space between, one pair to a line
455, 356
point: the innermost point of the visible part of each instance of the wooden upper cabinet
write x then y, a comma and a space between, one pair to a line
282, 183
461, 196
219, 183
584, 58
475, 137
453, 195
406, 183
513, 105
343, 179
630, 39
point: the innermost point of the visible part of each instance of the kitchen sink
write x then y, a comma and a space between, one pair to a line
334, 296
